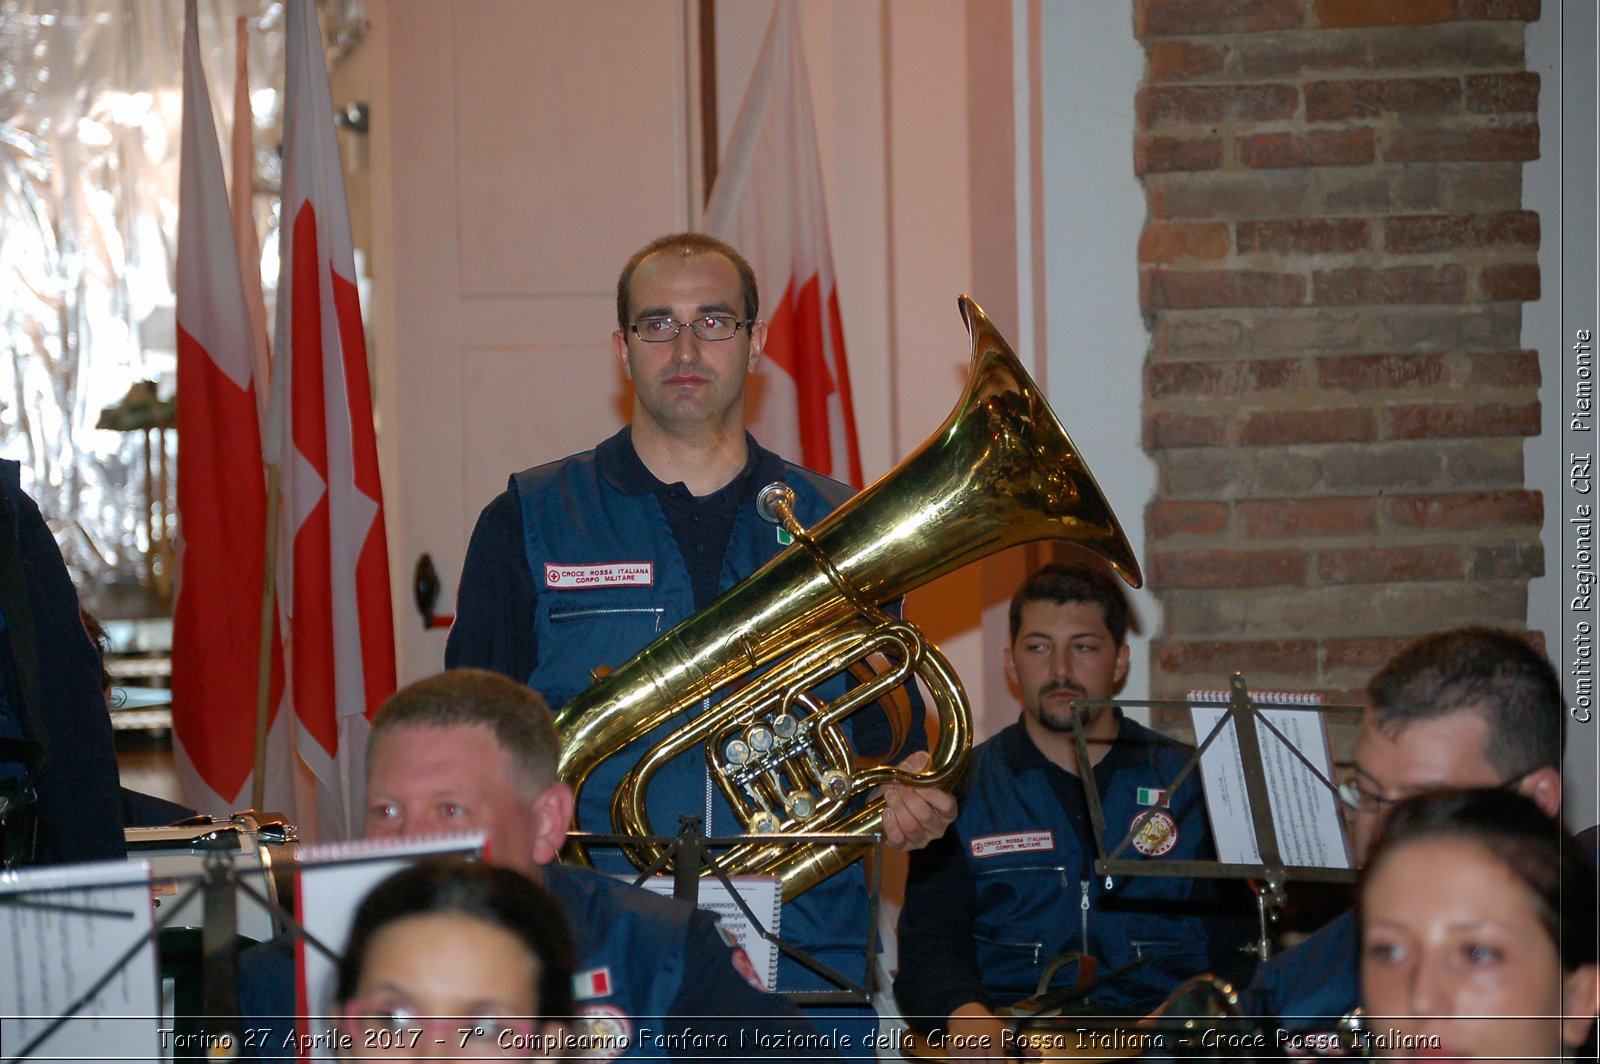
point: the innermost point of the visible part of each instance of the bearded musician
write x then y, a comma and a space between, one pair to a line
1007, 903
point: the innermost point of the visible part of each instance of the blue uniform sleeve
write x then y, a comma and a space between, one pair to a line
267, 1000
494, 626
938, 970
80, 795
739, 1020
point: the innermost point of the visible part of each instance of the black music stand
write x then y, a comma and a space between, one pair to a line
1272, 873
690, 852
217, 1023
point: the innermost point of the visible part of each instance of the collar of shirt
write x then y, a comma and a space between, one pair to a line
1024, 755
619, 463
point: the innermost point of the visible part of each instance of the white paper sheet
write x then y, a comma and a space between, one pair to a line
332, 882
61, 931
1305, 813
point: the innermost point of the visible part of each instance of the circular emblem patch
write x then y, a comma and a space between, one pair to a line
601, 1031
1158, 835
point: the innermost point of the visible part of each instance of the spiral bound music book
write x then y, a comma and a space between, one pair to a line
1305, 811
330, 884
763, 895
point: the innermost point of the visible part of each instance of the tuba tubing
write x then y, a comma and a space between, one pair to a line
1000, 472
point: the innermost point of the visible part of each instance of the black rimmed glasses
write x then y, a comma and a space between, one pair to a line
1358, 799
708, 327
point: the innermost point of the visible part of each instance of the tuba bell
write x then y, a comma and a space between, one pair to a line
1001, 471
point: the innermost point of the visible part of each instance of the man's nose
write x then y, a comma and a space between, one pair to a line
686, 346
1061, 665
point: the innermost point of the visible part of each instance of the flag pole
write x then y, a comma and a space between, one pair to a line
242, 201
269, 620
708, 95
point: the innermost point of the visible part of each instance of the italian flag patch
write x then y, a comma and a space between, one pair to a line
1149, 795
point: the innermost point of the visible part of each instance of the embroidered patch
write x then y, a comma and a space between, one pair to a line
593, 983
603, 1032
1018, 842
1158, 835
607, 574
1148, 795
784, 537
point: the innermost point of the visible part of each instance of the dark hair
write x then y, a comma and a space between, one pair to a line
461, 698
102, 646
1518, 834
490, 894
1484, 670
1075, 582
687, 245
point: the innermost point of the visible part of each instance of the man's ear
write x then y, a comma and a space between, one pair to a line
1543, 785
1011, 667
1581, 994
1121, 675
758, 344
552, 816
619, 347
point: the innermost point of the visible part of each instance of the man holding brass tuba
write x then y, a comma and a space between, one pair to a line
581, 563
1008, 902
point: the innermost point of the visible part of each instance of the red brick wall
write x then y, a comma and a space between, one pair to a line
1333, 270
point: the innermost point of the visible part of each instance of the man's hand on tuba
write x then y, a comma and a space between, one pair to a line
915, 816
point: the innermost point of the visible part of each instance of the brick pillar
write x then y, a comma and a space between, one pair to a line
1333, 271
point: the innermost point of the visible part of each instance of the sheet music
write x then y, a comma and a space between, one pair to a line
1305, 813
331, 883
61, 931
763, 895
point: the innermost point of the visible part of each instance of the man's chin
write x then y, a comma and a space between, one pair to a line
1057, 715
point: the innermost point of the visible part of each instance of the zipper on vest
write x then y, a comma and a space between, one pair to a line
579, 614
1083, 914
705, 707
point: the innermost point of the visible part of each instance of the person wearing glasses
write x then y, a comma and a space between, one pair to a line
452, 959
582, 562
1471, 707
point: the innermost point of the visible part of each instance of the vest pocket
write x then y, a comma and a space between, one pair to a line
576, 639
614, 614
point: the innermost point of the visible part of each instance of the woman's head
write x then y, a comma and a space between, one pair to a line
1478, 928
482, 949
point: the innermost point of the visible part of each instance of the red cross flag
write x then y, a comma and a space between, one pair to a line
222, 499
333, 566
768, 203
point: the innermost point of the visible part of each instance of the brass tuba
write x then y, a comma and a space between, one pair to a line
1001, 471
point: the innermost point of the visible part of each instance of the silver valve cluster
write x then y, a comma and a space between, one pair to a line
765, 748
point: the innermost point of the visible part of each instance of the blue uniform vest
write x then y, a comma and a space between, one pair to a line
1313, 984
1036, 891
613, 925
571, 516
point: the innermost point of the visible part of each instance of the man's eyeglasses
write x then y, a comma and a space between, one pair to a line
665, 330
1358, 799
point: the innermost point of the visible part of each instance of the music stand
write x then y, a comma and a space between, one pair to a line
1271, 872
694, 851
217, 1028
